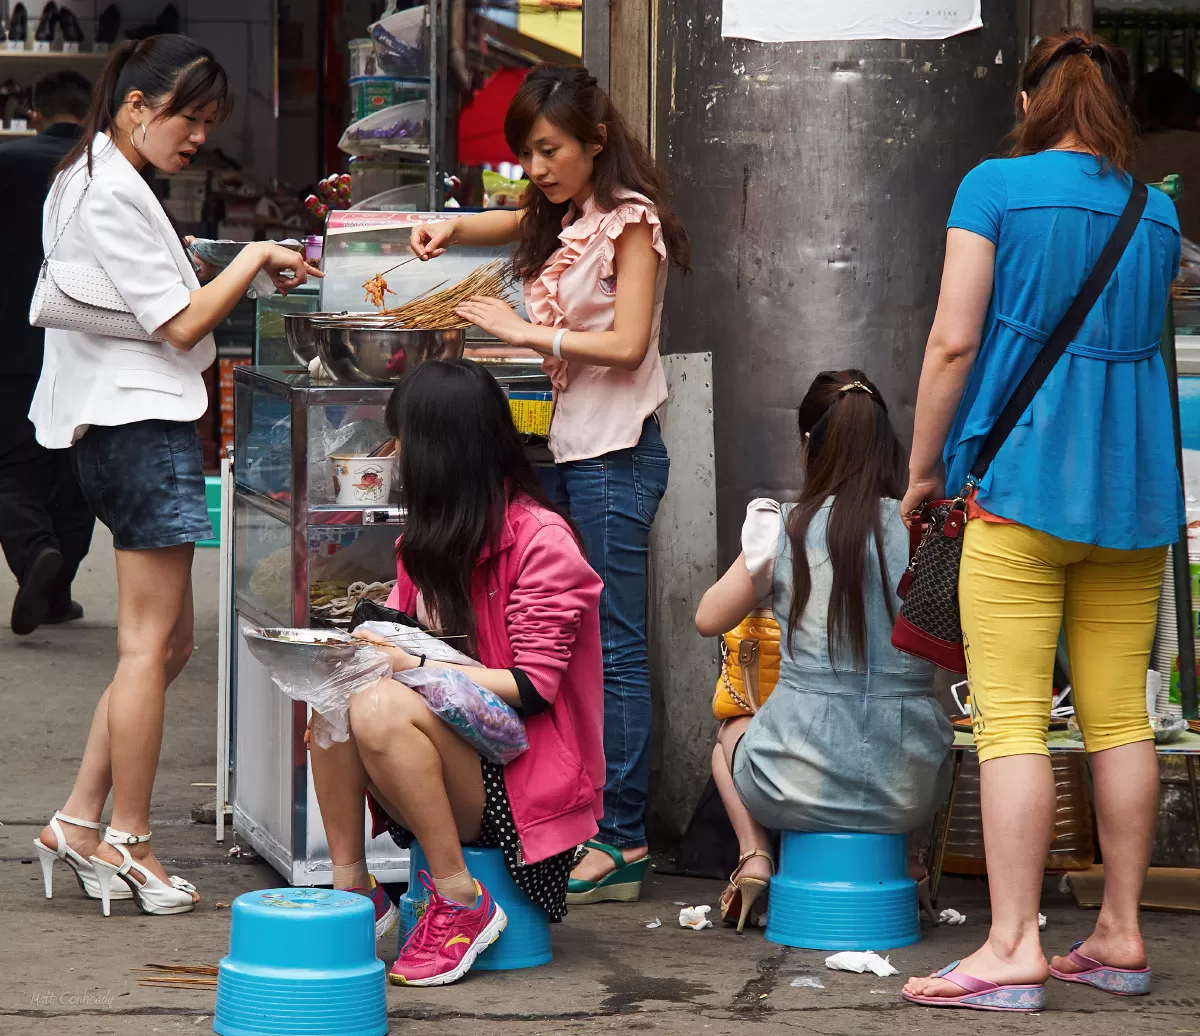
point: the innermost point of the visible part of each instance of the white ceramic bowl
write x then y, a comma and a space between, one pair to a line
362, 481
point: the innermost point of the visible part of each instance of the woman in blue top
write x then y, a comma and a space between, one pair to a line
1070, 525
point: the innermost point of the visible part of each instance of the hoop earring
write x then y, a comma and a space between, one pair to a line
133, 143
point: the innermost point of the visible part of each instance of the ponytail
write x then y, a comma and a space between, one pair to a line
851, 453
170, 70
1078, 86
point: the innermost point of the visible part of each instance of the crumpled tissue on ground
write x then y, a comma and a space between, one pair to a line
850, 960
695, 918
952, 917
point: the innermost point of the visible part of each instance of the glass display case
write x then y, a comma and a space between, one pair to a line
302, 534
313, 513
270, 341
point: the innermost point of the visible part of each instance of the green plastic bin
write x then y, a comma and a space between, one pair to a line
212, 497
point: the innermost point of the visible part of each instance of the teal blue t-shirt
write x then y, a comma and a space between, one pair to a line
1092, 459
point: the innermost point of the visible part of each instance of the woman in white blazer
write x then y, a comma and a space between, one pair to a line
127, 410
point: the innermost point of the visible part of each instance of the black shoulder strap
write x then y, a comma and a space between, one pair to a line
1062, 335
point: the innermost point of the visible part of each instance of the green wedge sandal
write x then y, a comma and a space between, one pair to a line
623, 885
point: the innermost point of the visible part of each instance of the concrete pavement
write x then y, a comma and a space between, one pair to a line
65, 970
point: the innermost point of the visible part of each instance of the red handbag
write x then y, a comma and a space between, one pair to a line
928, 624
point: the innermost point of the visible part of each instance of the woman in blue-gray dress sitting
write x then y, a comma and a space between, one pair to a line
852, 737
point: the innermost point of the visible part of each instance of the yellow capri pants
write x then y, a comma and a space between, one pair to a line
1017, 588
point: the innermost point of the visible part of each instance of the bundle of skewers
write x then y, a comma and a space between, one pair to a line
434, 309
177, 976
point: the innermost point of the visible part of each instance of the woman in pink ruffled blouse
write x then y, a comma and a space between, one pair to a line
593, 242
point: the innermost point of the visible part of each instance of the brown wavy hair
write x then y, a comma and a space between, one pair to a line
569, 98
1078, 85
852, 454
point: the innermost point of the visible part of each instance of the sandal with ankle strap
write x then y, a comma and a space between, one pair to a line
85, 874
622, 885
740, 893
152, 894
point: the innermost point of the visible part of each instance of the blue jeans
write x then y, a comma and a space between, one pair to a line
613, 500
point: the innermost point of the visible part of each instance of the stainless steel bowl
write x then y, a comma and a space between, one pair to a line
362, 354
301, 667
301, 337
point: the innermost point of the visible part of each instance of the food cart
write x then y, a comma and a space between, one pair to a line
310, 530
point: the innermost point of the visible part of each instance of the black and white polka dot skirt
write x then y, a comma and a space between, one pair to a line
544, 882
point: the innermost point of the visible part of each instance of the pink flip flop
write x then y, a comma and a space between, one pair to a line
1119, 981
981, 995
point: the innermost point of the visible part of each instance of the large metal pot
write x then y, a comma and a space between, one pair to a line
359, 353
301, 336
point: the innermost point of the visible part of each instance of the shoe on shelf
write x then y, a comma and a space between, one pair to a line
108, 26
741, 892
48, 24
387, 915
18, 24
31, 603
621, 885
166, 23
85, 874
69, 612
72, 32
447, 938
150, 892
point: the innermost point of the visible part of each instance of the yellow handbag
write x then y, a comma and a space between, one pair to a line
749, 666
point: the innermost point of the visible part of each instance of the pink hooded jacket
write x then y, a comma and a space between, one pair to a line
536, 603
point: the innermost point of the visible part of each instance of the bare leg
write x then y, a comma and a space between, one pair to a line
422, 769
1017, 794
1126, 788
751, 835
94, 779
154, 588
340, 781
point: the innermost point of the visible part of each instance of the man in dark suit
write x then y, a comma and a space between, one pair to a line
45, 524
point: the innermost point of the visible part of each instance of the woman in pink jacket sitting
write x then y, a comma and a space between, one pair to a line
487, 559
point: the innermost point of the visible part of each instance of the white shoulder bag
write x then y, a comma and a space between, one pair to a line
74, 297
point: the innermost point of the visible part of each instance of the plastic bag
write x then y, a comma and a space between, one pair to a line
415, 641
321, 668
485, 722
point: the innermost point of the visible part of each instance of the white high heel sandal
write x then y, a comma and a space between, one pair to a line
148, 890
84, 872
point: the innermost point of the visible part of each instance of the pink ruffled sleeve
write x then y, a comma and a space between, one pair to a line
628, 214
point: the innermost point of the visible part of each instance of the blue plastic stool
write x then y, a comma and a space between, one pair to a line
301, 960
843, 892
525, 941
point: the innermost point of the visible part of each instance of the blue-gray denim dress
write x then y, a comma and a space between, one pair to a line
839, 749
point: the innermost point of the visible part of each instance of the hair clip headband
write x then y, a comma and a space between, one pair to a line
857, 386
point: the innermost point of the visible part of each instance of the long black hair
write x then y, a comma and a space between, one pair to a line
461, 463
851, 453
169, 69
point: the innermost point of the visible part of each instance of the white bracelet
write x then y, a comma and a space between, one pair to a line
556, 347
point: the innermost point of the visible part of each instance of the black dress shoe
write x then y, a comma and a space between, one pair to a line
108, 26
48, 25
18, 23
32, 600
71, 30
70, 613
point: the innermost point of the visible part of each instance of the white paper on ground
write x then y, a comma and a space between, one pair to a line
851, 960
695, 918
656, 923
773, 22
1041, 922
952, 917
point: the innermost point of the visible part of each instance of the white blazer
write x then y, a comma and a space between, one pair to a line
93, 379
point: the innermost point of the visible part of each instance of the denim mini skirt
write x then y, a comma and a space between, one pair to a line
145, 482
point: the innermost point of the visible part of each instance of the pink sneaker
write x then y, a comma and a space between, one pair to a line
447, 939
386, 913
